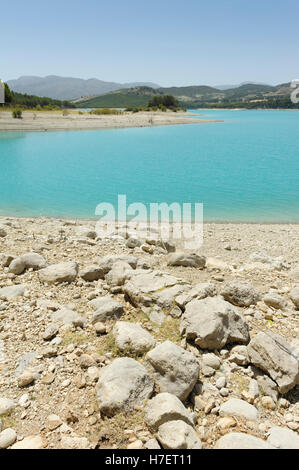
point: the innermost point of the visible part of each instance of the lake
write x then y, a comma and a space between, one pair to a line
243, 169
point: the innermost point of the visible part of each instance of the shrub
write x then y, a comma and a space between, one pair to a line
17, 113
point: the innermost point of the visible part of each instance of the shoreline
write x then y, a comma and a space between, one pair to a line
50, 121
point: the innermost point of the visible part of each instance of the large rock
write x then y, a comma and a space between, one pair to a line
213, 322
240, 293
106, 309
274, 300
30, 442
68, 317
150, 287
165, 407
92, 272
122, 385
271, 353
191, 260
240, 440
62, 272
7, 438
240, 408
283, 438
6, 405
108, 261
132, 337
294, 294
27, 261
119, 273
199, 291
175, 370
11, 292
178, 435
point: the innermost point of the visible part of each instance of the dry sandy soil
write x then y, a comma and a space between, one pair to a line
66, 388
51, 121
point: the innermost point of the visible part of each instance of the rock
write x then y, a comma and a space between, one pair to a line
283, 438
273, 299
6, 405
175, 370
157, 317
138, 444
147, 288
294, 294
294, 273
86, 361
132, 337
68, 317
6, 259
212, 322
178, 435
240, 293
226, 423
17, 266
221, 382
68, 442
268, 403
106, 309
165, 407
86, 232
108, 261
53, 422
237, 407
268, 261
93, 373
239, 440
268, 387
199, 291
7, 438
119, 273
12, 292
26, 378
50, 331
3, 232
211, 360
122, 385
100, 328
152, 444
62, 272
191, 260
133, 242
167, 245
239, 355
271, 353
30, 442
92, 273
24, 361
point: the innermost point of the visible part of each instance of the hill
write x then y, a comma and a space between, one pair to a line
67, 88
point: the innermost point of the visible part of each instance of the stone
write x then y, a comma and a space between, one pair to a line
239, 355
6, 405
165, 407
211, 360
283, 438
294, 295
191, 260
33, 261
120, 272
106, 309
138, 444
12, 292
74, 442
274, 300
68, 317
6, 259
7, 438
133, 242
240, 293
3, 232
221, 382
268, 403
86, 361
268, 387
53, 422
61, 272
226, 423
239, 440
147, 288
122, 385
240, 408
100, 328
152, 444
17, 266
175, 370
26, 378
50, 331
132, 337
30, 442
178, 435
108, 261
86, 232
212, 322
261, 260
92, 273
271, 353
199, 291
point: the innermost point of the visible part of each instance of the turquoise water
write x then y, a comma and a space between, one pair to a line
242, 169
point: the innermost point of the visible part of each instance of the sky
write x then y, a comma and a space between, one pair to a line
169, 42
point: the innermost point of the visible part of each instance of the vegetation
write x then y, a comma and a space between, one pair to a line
17, 113
105, 111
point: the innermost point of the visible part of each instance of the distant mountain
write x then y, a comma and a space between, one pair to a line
67, 88
228, 87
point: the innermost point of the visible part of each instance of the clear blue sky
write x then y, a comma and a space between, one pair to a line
170, 42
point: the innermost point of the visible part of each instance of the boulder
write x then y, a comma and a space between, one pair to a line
30, 442
12, 292
178, 435
106, 309
122, 385
240, 293
68, 317
199, 291
274, 355
132, 337
27, 261
6, 405
62, 272
108, 261
294, 294
175, 370
7, 438
119, 273
283, 438
240, 408
212, 322
191, 260
165, 407
92, 273
6, 259
274, 300
240, 440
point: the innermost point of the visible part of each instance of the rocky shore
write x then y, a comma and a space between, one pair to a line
135, 343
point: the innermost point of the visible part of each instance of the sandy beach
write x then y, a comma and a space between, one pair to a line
53, 121
58, 338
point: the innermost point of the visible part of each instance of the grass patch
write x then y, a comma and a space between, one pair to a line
108, 345
241, 383
74, 337
8, 420
169, 330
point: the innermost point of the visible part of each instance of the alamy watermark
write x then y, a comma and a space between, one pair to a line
294, 97
2, 93
161, 221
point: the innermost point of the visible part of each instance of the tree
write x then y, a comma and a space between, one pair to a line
7, 94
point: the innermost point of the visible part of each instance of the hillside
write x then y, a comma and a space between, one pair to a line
67, 88
245, 96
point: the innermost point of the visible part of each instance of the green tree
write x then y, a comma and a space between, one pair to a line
7, 94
